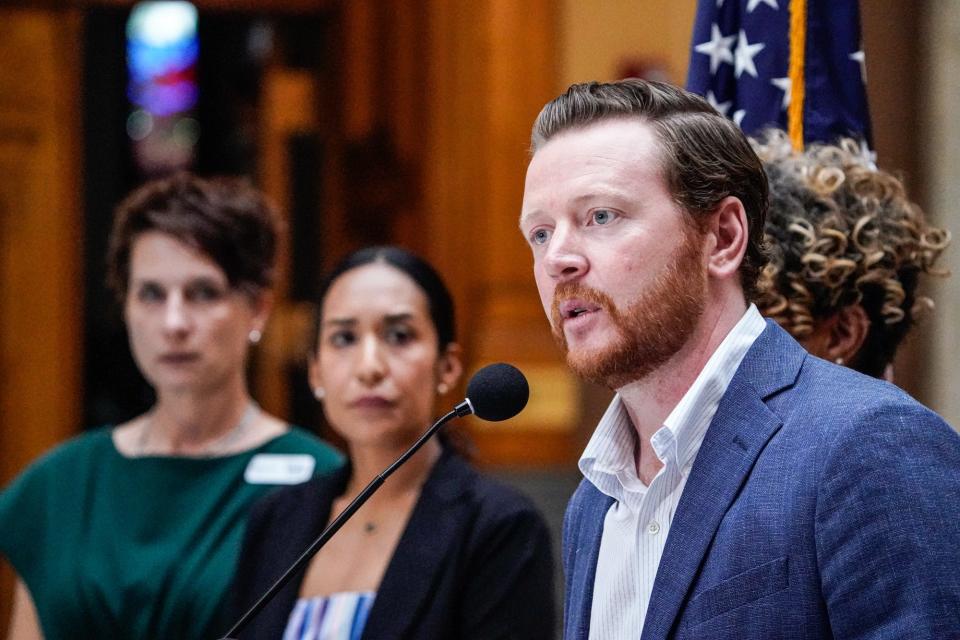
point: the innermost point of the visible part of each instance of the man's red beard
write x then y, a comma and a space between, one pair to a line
651, 330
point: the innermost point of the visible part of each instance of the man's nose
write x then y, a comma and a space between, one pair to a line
371, 366
565, 258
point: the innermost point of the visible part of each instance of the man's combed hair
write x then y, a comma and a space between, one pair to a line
842, 232
706, 157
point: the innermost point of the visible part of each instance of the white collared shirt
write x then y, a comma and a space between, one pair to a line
637, 524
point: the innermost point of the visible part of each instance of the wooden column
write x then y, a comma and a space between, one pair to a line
288, 107
941, 157
491, 68
40, 232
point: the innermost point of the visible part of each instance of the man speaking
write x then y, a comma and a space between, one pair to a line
737, 487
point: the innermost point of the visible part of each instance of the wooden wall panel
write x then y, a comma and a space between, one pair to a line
40, 225
40, 295
600, 38
361, 70
491, 68
940, 144
892, 42
288, 107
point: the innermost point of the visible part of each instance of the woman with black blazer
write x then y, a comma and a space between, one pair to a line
440, 551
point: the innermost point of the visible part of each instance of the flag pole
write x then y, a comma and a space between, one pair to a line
798, 47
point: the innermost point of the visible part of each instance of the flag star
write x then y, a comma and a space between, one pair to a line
721, 107
718, 48
752, 4
784, 85
738, 117
719, 3
859, 57
744, 56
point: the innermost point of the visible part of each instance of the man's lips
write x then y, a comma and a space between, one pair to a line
574, 308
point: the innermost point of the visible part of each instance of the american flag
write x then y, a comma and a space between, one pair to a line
794, 64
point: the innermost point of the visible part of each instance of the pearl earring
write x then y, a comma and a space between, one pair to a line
255, 336
319, 393
442, 388
839, 361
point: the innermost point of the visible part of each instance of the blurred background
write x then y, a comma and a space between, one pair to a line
367, 121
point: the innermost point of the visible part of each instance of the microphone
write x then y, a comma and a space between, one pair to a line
495, 392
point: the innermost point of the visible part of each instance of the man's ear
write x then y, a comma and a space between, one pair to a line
848, 329
728, 237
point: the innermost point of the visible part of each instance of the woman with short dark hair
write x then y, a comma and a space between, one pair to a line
132, 531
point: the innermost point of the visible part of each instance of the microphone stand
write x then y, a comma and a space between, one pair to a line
463, 409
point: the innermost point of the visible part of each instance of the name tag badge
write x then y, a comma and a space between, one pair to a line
279, 468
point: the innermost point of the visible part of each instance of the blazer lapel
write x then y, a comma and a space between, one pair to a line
581, 546
317, 498
421, 551
737, 435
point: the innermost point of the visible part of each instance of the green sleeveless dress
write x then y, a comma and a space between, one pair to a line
140, 548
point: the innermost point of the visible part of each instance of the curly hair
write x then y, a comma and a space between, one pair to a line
841, 232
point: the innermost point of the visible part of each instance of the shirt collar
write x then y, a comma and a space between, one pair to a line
608, 459
690, 418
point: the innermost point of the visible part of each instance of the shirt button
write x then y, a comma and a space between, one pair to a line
653, 528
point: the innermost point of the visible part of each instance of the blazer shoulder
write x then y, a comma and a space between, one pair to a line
293, 503
490, 498
846, 399
845, 427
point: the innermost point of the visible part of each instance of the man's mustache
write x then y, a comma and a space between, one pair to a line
567, 290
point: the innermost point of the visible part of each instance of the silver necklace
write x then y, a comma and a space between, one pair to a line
217, 445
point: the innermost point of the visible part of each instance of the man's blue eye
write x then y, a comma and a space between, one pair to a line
602, 216
540, 236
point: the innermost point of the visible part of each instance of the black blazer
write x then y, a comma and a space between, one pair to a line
473, 562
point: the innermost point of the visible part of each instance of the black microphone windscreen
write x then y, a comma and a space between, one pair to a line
498, 392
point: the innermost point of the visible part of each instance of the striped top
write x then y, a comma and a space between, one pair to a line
636, 526
339, 616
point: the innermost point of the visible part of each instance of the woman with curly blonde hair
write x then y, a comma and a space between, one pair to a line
847, 248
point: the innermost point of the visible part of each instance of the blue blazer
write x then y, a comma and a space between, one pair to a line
822, 504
